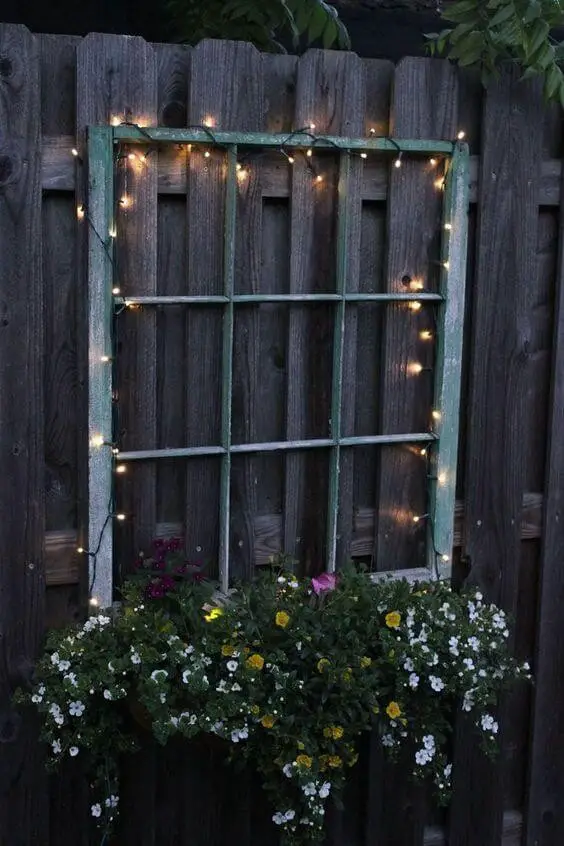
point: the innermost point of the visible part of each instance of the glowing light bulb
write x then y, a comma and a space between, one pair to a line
372, 131
242, 174
426, 335
115, 451
74, 152
125, 201
397, 162
291, 159
97, 440
309, 153
433, 162
80, 212
364, 155
93, 601
423, 451
120, 517
415, 305
121, 468
115, 121
436, 415
416, 518
116, 292
445, 558
105, 358
439, 184
80, 550
448, 226
446, 265
132, 157
312, 127
442, 478
416, 285
319, 178
415, 368
113, 232
208, 121
461, 135
207, 154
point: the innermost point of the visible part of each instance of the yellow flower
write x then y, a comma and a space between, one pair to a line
227, 650
393, 619
365, 662
213, 615
255, 710
268, 721
393, 710
304, 761
322, 663
334, 761
282, 619
334, 732
347, 675
255, 662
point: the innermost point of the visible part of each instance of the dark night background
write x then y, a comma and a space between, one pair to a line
376, 30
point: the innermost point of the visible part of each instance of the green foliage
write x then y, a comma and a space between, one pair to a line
262, 22
286, 674
487, 34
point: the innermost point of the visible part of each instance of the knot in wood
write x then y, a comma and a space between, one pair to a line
6, 67
6, 169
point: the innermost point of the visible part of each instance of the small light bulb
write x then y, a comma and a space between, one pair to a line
291, 159
80, 550
207, 154
94, 601
442, 478
125, 201
309, 153
446, 265
105, 358
97, 440
238, 166
439, 184
242, 175
415, 368
116, 292
415, 305
416, 285
115, 121
121, 468
461, 135
416, 519
80, 212
208, 121
448, 226
74, 152
372, 131
120, 517
113, 232
445, 558
364, 155
132, 157
423, 451
312, 127
397, 162
115, 451
319, 178
436, 415
426, 335
432, 162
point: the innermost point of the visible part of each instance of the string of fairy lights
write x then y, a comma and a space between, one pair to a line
124, 202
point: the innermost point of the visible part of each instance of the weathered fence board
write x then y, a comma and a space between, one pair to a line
23, 783
497, 422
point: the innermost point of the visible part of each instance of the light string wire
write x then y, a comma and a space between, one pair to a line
112, 256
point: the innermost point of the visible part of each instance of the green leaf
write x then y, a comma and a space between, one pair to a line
539, 34
330, 34
504, 14
553, 81
303, 15
317, 23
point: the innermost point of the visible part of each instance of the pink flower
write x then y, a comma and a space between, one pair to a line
324, 583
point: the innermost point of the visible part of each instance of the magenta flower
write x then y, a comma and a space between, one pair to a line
324, 583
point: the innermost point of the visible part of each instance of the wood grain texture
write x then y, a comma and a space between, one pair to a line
23, 794
497, 421
424, 105
545, 805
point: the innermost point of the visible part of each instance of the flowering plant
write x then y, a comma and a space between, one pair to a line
288, 673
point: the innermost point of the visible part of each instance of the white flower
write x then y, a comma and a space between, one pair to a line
96, 810
468, 663
64, 666
104, 621
36, 699
409, 666
56, 747
163, 698
422, 757
159, 675
281, 580
41, 688
189, 650
55, 658
73, 751
186, 676
76, 709
299, 646
448, 771
72, 678
429, 742
388, 740
294, 585
235, 688
232, 666
287, 770
174, 722
474, 643
468, 700
309, 789
112, 801
244, 733
413, 680
278, 818
108, 694
489, 724
324, 790
59, 719
289, 815
436, 683
135, 658
216, 728
453, 646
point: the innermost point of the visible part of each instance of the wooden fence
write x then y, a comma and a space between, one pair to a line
511, 476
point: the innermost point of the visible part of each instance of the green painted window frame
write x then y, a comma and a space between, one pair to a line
102, 303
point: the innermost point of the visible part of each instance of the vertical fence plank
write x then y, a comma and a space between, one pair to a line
506, 247
424, 105
545, 801
116, 78
23, 784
